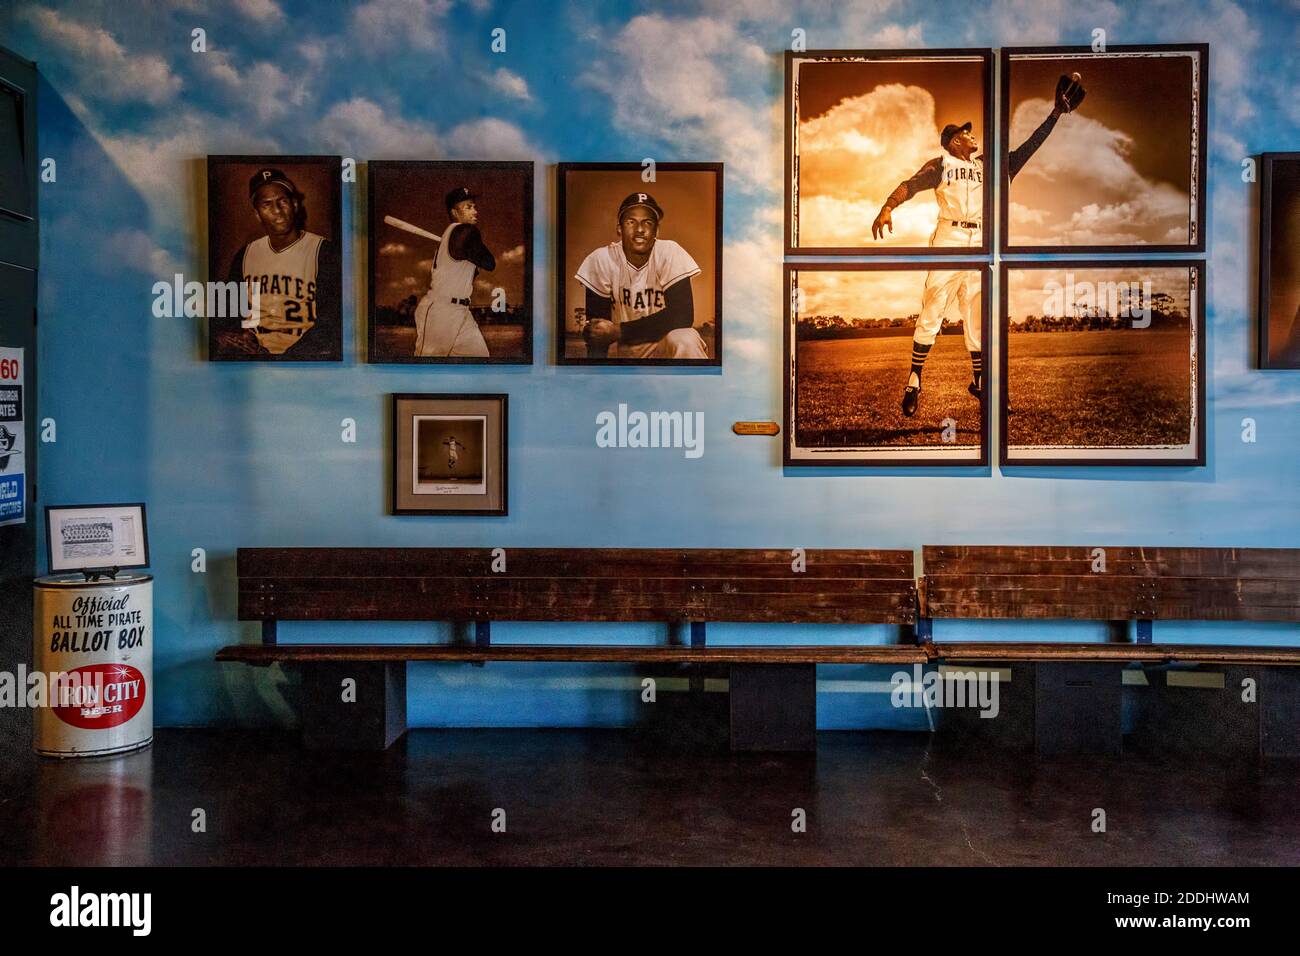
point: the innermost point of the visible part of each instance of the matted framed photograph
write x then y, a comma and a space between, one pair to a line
1104, 152
1102, 363
96, 537
885, 364
886, 152
1279, 260
642, 264
451, 262
450, 454
274, 233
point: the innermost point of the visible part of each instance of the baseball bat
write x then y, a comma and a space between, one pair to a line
408, 227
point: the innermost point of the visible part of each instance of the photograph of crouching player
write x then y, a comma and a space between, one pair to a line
451, 262
274, 224
642, 258
845, 326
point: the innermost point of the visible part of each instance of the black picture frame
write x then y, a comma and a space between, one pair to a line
330, 285
1267, 167
790, 372
526, 169
1006, 457
562, 278
1200, 103
394, 463
984, 54
49, 537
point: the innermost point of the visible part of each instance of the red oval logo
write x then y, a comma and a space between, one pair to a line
98, 696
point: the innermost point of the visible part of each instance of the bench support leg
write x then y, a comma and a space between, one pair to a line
773, 706
367, 714
1078, 708
1279, 714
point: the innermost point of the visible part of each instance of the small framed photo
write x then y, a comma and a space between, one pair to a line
451, 262
887, 152
1103, 363
274, 268
96, 537
450, 454
642, 264
885, 364
1279, 260
1104, 152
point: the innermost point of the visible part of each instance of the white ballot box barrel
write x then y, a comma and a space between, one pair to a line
94, 652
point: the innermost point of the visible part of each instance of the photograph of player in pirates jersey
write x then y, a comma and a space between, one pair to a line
289, 265
1279, 260
647, 290
864, 133
450, 262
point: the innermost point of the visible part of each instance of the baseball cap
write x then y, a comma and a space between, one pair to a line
952, 130
269, 175
458, 195
640, 199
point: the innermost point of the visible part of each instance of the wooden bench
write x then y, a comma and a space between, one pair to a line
772, 688
1078, 687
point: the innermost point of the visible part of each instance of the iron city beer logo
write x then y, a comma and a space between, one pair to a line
100, 696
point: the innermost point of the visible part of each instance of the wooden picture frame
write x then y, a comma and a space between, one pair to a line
406, 210
677, 195
965, 454
125, 520
1279, 211
474, 430
896, 59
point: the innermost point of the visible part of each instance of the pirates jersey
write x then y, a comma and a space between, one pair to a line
450, 278
960, 189
636, 292
285, 282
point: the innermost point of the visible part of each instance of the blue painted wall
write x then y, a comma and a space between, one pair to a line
238, 455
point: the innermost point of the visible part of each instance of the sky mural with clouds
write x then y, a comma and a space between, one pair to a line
251, 455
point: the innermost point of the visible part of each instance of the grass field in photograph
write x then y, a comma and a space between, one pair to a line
1108, 389
850, 392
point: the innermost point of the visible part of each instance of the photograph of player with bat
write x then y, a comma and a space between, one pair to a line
1125, 171
450, 262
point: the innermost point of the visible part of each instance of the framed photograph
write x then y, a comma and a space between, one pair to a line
1279, 260
450, 454
1104, 152
96, 537
642, 264
274, 239
451, 262
1102, 363
885, 364
886, 151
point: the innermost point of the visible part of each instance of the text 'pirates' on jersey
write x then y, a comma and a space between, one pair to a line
285, 281
635, 292
960, 189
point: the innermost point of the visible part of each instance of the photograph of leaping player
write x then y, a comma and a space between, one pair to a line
451, 262
1126, 171
858, 124
287, 250
642, 264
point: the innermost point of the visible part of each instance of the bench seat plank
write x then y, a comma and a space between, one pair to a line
1150, 653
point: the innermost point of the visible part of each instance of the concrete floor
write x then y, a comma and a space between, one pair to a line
617, 798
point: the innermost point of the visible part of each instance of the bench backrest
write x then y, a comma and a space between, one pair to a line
1192, 584
576, 584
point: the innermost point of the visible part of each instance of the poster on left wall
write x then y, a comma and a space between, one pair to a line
274, 238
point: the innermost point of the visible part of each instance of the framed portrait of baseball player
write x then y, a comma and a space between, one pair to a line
1104, 152
451, 262
274, 237
884, 364
1102, 363
886, 152
642, 264
450, 454
1279, 260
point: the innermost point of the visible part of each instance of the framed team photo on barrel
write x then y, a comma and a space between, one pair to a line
640, 249
1102, 363
274, 267
450, 454
887, 152
1104, 152
451, 262
885, 364
1279, 260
